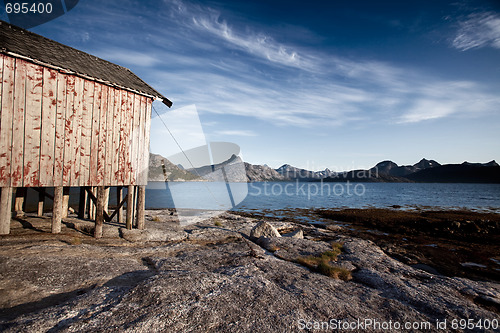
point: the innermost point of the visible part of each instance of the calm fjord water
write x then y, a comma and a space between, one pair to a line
281, 195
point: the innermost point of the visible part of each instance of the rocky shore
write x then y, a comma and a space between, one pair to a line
217, 275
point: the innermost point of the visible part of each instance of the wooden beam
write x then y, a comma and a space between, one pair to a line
19, 201
93, 199
47, 195
82, 204
130, 206
141, 204
119, 208
5, 210
57, 209
106, 199
119, 196
134, 211
99, 216
92, 202
65, 202
41, 199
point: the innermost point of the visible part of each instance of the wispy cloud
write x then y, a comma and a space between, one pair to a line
478, 30
237, 133
128, 58
261, 44
195, 55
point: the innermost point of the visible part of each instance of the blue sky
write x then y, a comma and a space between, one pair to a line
338, 84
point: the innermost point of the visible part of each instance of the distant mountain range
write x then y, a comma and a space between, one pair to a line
234, 169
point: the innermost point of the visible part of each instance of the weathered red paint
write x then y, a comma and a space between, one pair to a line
57, 129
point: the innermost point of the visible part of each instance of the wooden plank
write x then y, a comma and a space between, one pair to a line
69, 143
57, 210
134, 145
48, 131
87, 134
17, 174
140, 143
123, 137
109, 137
101, 148
94, 153
6, 117
147, 131
129, 138
33, 123
141, 204
116, 137
1, 78
5, 210
59, 129
77, 131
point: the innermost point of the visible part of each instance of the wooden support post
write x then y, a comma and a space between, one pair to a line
141, 204
57, 209
5, 210
134, 212
25, 199
65, 202
82, 204
99, 215
130, 206
119, 197
91, 204
41, 199
19, 201
106, 199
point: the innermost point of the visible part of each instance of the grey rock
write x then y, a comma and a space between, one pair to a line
334, 227
219, 285
291, 248
264, 229
152, 235
295, 234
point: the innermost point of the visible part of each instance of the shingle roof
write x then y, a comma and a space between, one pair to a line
22, 42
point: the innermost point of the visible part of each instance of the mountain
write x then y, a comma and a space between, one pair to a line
490, 163
365, 176
459, 173
262, 173
235, 170
392, 169
293, 173
231, 170
173, 172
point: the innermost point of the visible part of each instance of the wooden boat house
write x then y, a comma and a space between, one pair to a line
69, 119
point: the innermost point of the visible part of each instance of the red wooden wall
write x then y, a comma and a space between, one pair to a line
58, 129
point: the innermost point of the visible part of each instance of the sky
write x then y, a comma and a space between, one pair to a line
314, 84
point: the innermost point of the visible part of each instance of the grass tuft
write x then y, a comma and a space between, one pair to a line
75, 241
322, 263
